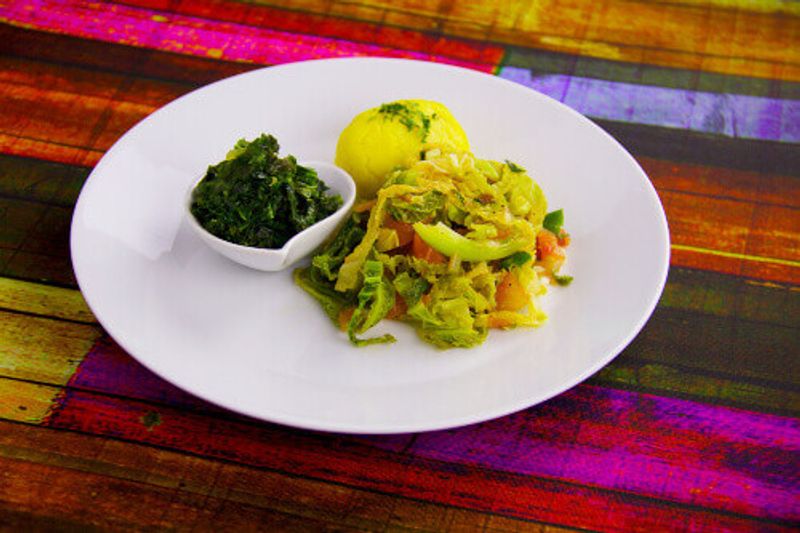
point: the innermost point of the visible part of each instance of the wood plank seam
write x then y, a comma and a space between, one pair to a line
432, 463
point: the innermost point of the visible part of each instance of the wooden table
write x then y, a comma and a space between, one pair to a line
694, 426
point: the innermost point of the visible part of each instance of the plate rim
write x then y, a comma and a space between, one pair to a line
322, 424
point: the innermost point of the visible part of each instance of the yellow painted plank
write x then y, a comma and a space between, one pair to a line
725, 36
30, 297
43, 349
26, 402
734, 255
783, 7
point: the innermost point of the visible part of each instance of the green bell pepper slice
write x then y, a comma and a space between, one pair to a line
446, 241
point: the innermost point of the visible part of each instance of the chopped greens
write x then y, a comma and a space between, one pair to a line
562, 280
254, 198
410, 116
515, 260
375, 299
553, 221
514, 167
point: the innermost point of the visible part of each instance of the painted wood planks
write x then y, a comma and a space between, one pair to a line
703, 324
730, 41
717, 449
341, 460
189, 479
201, 37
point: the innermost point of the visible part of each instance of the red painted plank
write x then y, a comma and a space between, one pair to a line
347, 461
621, 443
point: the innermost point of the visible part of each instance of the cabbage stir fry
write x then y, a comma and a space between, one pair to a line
453, 245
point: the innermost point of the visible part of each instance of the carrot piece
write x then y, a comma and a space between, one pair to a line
510, 295
546, 243
344, 317
422, 250
563, 239
399, 309
364, 205
498, 322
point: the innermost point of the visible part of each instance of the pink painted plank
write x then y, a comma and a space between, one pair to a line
195, 36
319, 24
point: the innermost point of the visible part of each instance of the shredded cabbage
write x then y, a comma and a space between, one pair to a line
474, 222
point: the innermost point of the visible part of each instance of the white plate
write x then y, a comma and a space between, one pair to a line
255, 343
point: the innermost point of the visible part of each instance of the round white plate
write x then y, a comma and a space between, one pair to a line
255, 343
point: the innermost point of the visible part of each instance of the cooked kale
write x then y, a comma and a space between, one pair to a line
255, 198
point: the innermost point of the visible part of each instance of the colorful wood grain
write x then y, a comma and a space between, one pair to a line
44, 300
322, 25
193, 36
727, 242
739, 39
42, 349
83, 462
99, 56
731, 115
22, 401
693, 427
542, 62
504, 491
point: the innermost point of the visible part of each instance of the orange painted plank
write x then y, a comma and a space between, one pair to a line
62, 111
722, 182
728, 41
734, 237
756, 6
49, 151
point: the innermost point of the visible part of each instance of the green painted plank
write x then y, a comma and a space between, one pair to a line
42, 181
728, 296
543, 63
663, 380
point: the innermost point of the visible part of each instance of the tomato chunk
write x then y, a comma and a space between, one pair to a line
405, 233
399, 309
344, 317
510, 295
548, 251
424, 251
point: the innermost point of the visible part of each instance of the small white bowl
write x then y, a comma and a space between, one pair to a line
299, 246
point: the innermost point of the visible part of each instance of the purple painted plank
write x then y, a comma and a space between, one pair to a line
108, 368
732, 115
678, 450
666, 448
